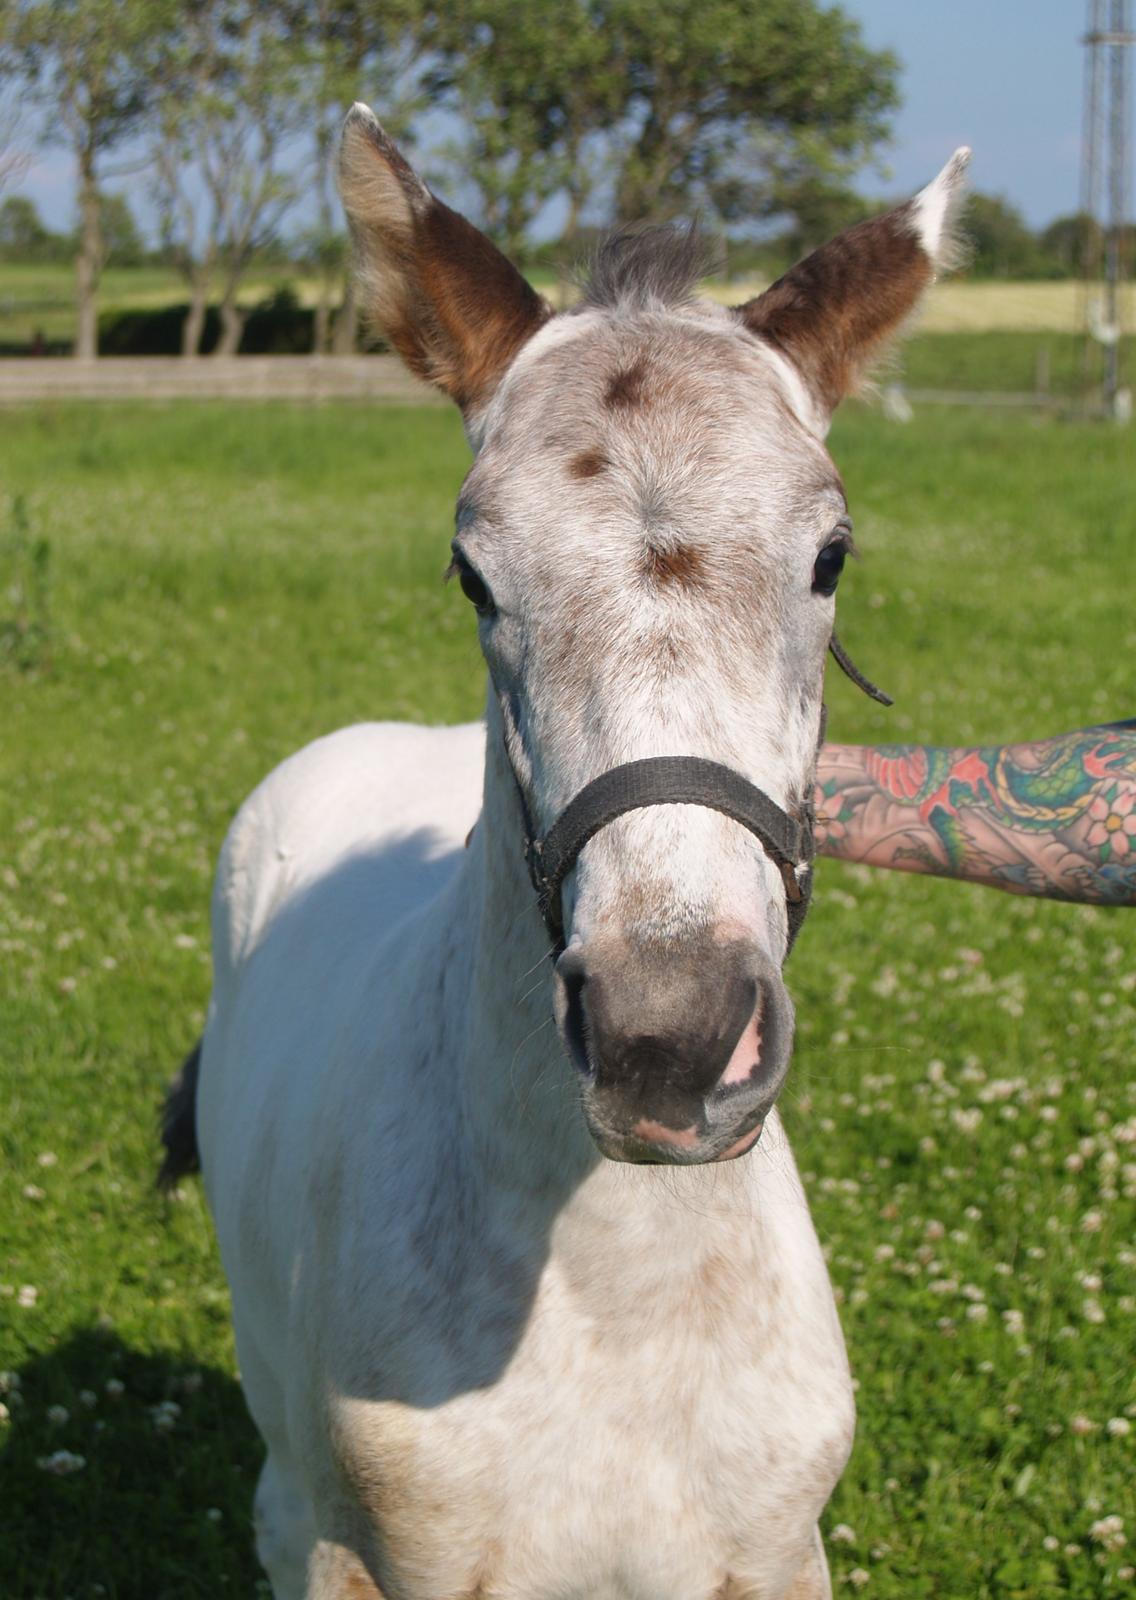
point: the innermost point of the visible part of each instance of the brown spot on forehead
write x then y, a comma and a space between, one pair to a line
588, 464
625, 387
679, 564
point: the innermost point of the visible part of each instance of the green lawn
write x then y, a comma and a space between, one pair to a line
220, 584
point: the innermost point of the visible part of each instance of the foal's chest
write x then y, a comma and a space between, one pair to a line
664, 1460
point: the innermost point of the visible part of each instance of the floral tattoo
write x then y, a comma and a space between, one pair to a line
1056, 817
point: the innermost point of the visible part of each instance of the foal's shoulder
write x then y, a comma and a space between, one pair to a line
353, 793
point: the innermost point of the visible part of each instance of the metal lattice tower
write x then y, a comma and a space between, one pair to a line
1106, 244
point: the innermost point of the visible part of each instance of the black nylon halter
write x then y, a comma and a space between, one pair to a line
666, 781
674, 780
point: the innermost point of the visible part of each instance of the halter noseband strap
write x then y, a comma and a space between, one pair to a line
667, 781
662, 781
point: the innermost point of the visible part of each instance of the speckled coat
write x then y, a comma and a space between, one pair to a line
486, 1361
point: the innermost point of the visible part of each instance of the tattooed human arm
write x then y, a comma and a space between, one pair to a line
1056, 817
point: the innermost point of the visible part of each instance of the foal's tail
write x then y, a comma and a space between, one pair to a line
179, 1124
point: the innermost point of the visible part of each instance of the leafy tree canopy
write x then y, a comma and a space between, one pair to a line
657, 107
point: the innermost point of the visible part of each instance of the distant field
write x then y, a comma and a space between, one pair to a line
43, 297
220, 584
961, 307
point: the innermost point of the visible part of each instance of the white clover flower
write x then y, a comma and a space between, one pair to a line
164, 1415
115, 1388
1050, 1543
27, 1295
88, 1398
61, 1463
1090, 1282
858, 1577
1109, 1533
1118, 1427
1081, 1425
58, 1415
47, 1158
5, 1414
1093, 1311
1092, 1222
843, 1534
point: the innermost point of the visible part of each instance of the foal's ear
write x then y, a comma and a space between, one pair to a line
834, 310
450, 303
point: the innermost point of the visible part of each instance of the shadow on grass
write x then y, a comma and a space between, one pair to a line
161, 1508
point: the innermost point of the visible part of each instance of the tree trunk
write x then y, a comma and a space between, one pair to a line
89, 261
321, 322
345, 335
194, 325
232, 326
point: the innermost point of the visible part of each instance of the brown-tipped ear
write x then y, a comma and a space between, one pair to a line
450, 303
831, 314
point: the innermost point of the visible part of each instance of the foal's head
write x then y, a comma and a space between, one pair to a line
651, 534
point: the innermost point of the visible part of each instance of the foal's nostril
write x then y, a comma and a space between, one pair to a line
574, 1023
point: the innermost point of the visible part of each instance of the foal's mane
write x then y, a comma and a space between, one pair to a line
651, 267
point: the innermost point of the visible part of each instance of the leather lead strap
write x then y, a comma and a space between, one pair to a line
851, 670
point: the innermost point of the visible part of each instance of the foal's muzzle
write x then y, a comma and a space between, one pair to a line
681, 1049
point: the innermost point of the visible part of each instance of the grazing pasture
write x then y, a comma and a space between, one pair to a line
216, 585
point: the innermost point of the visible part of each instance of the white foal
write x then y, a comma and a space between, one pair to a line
487, 1359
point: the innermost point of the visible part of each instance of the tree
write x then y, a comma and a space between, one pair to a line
87, 62
229, 102
341, 42
23, 236
1002, 246
1073, 246
533, 89
786, 85
728, 106
123, 245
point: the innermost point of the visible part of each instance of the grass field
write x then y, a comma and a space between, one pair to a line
216, 585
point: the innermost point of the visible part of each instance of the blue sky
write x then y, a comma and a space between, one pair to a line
1004, 76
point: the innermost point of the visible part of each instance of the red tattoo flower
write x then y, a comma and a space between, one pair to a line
903, 775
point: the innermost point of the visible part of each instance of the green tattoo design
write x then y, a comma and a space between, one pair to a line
1078, 791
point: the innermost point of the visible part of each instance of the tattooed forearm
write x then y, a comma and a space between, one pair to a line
1056, 817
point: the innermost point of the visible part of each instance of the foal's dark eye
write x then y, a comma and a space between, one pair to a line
829, 566
474, 590
472, 586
